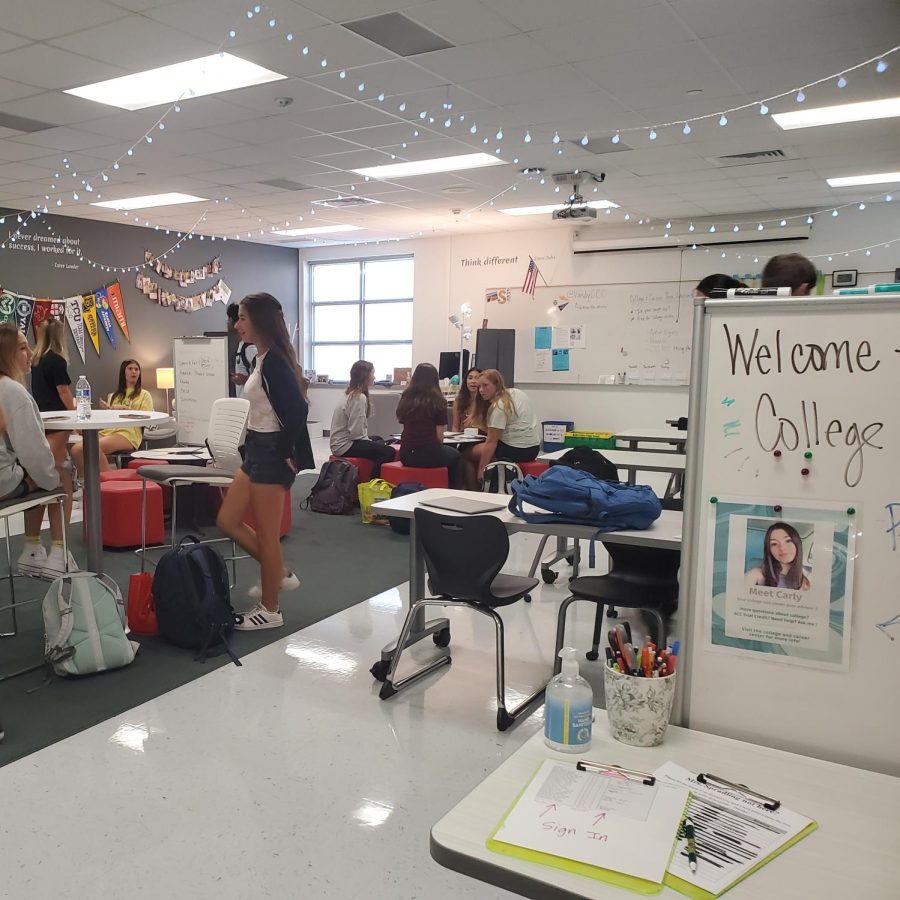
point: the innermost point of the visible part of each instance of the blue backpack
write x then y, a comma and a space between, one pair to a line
574, 496
193, 600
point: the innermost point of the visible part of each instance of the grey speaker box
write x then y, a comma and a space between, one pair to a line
495, 348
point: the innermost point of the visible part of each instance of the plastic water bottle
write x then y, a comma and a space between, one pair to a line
82, 399
569, 708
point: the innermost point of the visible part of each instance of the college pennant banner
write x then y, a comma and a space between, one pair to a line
73, 315
105, 315
117, 305
24, 310
58, 309
89, 314
7, 307
41, 313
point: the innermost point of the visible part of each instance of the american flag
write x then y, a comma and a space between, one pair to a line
531, 277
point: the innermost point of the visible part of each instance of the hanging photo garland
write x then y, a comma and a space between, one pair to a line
219, 292
184, 277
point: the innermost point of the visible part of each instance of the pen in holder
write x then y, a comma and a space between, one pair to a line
638, 708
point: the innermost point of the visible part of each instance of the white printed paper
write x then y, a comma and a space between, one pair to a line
733, 833
542, 360
603, 820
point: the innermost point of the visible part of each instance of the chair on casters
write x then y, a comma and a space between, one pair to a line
484, 543
644, 578
227, 427
9, 508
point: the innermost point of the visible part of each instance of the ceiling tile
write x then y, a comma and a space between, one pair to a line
52, 68
507, 56
462, 21
44, 19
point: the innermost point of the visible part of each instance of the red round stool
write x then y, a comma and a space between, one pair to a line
120, 505
535, 467
363, 465
118, 475
395, 472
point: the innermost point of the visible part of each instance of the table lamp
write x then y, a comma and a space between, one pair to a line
165, 381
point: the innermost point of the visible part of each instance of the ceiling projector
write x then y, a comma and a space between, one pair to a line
576, 207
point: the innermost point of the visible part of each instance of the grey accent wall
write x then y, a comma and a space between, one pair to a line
246, 268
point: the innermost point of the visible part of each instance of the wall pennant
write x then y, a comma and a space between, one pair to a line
105, 315
24, 310
42, 312
7, 307
117, 305
76, 322
89, 314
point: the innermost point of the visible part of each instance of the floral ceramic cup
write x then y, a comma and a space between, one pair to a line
638, 708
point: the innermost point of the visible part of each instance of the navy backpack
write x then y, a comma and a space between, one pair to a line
193, 600
401, 526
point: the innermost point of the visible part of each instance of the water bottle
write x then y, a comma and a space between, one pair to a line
82, 399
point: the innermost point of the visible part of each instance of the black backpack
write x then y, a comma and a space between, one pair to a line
193, 601
335, 489
592, 461
401, 526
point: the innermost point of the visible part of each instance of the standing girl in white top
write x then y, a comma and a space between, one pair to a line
277, 446
349, 425
512, 432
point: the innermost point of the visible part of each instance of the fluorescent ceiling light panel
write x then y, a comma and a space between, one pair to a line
150, 200
321, 229
843, 112
537, 210
852, 180
180, 81
431, 166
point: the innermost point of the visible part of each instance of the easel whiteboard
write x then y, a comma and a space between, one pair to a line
201, 378
641, 330
811, 376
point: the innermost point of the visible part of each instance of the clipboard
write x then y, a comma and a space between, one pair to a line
770, 804
598, 873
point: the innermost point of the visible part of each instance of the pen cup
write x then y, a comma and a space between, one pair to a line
638, 708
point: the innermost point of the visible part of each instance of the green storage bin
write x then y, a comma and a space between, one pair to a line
598, 440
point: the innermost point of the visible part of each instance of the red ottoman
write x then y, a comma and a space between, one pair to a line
364, 466
118, 475
137, 463
535, 467
120, 504
395, 472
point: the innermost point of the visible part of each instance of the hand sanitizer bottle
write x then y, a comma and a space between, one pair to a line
569, 707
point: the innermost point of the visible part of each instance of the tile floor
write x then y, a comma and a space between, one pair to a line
287, 777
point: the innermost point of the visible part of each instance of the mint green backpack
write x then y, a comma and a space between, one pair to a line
84, 623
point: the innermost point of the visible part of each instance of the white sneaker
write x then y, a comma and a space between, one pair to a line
258, 618
290, 582
32, 560
55, 566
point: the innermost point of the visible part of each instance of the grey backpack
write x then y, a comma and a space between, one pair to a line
84, 623
335, 491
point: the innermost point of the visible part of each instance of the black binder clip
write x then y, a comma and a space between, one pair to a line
716, 782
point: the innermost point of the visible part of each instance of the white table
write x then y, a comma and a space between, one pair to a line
854, 853
665, 532
633, 461
90, 429
668, 436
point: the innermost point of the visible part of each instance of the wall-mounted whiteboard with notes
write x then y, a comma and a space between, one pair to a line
590, 334
201, 378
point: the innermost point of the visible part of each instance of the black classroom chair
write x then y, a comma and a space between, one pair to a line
464, 556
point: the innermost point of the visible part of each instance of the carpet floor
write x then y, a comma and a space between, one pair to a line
340, 562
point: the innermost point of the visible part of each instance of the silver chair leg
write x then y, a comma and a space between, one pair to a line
12, 585
174, 512
537, 556
561, 632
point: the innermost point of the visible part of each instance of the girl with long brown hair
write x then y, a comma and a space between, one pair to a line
277, 446
349, 424
464, 404
422, 411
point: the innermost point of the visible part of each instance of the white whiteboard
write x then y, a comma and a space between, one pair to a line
201, 378
641, 330
837, 403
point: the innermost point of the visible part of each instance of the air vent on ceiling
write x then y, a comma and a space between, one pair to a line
20, 123
345, 202
601, 146
397, 33
285, 184
747, 159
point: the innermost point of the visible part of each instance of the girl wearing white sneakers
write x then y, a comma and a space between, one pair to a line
277, 446
26, 460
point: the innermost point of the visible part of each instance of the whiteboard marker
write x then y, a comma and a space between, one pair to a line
751, 292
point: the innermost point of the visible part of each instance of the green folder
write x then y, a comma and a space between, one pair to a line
629, 882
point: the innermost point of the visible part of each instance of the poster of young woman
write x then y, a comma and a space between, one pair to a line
782, 580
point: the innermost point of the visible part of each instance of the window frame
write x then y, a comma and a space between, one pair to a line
361, 304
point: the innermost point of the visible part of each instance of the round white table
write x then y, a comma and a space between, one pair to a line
90, 430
